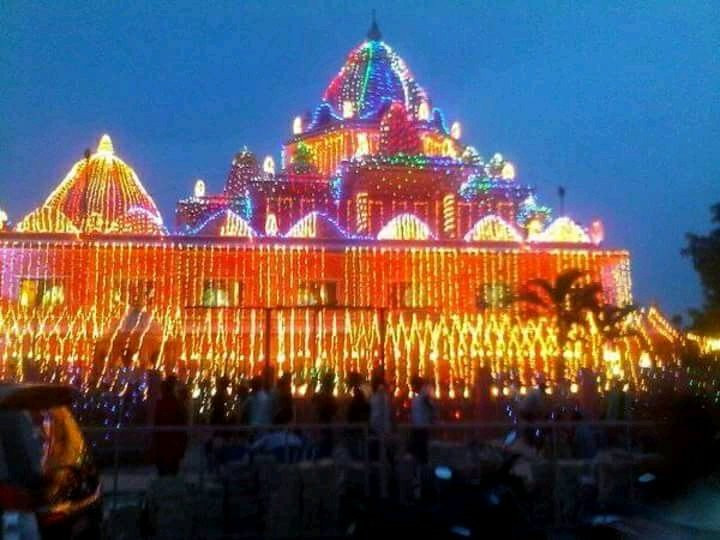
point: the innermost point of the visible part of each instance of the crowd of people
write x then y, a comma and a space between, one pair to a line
371, 405
265, 417
264, 410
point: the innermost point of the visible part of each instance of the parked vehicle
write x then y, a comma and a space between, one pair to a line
456, 506
49, 485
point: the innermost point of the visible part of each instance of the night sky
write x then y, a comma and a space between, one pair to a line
618, 102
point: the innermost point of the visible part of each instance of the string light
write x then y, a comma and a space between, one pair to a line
456, 130
162, 278
269, 165
95, 193
383, 209
564, 230
297, 125
493, 229
405, 227
316, 225
199, 190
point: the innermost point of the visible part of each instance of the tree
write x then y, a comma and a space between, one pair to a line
610, 321
612, 324
568, 300
704, 251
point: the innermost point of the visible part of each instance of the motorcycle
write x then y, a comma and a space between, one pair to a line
455, 506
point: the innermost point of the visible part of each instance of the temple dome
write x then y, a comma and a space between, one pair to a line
100, 190
372, 77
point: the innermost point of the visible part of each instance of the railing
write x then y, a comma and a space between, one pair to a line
125, 453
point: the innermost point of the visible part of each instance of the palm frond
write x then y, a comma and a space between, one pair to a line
532, 298
565, 281
587, 297
543, 285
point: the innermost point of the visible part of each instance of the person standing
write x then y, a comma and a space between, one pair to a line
325, 411
169, 446
154, 385
283, 401
422, 415
380, 415
359, 409
218, 403
326, 406
218, 417
358, 414
259, 404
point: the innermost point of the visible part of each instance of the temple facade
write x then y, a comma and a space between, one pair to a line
380, 237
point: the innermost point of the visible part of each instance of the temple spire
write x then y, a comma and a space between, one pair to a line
105, 146
374, 32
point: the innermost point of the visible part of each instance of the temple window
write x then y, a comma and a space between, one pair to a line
135, 292
317, 293
221, 293
404, 294
493, 295
41, 292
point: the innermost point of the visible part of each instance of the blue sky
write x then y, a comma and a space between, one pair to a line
618, 102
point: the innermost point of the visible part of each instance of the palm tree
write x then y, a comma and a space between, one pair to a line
568, 299
610, 322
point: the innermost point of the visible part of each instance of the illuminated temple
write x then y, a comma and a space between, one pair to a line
379, 238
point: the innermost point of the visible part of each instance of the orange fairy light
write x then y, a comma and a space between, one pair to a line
380, 241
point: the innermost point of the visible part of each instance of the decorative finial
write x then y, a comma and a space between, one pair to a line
105, 146
374, 32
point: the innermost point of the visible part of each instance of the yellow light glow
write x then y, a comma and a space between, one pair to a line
424, 111
456, 130
493, 229
199, 190
597, 232
297, 125
645, 361
405, 227
105, 146
362, 218
348, 109
87, 285
271, 225
306, 227
269, 165
235, 226
46, 219
534, 229
448, 148
449, 217
363, 145
96, 192
564, 230
610, 355
508, 171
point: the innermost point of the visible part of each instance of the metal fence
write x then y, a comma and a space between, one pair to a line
365, 464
